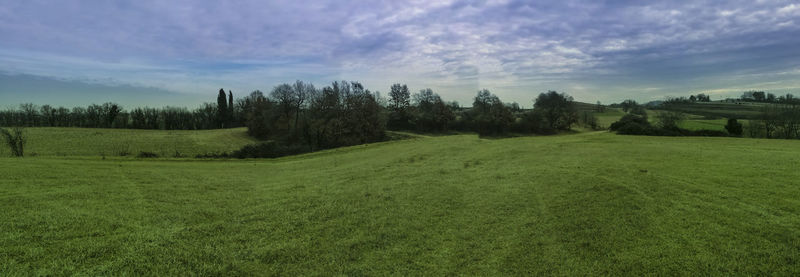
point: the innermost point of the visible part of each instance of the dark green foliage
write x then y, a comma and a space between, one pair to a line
589, 120
490, 116
145, 154
222, 108
734, 127
432, 114
15, 140
629, 119
268, 149
669, 119
342, 114
260, 114
627, 105
112, 115
400, 114
632, 124
557, 109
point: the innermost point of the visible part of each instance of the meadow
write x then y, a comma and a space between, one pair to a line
591, 203
54, 141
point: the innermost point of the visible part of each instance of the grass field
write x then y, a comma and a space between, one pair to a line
119, 142
583, 204
610, 115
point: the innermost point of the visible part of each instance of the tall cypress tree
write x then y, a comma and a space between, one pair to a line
230, 107
222, 108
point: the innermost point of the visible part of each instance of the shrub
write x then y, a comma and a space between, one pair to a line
669, 119
15, 139
145, 154
268, 149
628, 119
734, 127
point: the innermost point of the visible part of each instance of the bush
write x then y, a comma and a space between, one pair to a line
734, 127
629, 119
145, 154
269, 149
669, 119
15, 140
632, 124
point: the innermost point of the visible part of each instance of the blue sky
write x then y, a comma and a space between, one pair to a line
593, 50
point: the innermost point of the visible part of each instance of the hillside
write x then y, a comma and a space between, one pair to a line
586, 204
51, 141
713, 110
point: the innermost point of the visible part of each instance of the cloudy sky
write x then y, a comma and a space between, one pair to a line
593, 50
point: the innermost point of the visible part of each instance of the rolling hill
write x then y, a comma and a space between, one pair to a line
592, 203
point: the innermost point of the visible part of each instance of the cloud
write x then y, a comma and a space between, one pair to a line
593, 49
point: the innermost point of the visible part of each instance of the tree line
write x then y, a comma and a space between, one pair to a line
300, 117
112, 115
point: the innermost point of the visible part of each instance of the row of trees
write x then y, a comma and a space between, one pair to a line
345, 113
777, 121
224, 114
300, 117
760, 96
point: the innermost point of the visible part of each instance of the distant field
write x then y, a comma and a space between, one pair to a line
593, 203
739, 110
116, 142
610, 115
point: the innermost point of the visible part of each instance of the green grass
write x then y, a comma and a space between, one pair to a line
583, 204
610, 115
115, 142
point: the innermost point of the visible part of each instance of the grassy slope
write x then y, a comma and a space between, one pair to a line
111, 142
739, 110
591, 203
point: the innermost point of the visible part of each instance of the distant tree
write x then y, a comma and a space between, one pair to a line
558, 109
669, 119
490, 115
734, 127
110, 111
29, 115
759, 96
692, 98
627, 105
230, 116
399, 97
222, 108
432, 113
260, 115
599, 107
301, 92
770, 97
286, 102
15, 140
230, 100
399, 108
638, 110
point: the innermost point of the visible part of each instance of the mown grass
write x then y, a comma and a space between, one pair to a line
583, 204
46, 141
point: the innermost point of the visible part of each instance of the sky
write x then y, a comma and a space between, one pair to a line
153, 52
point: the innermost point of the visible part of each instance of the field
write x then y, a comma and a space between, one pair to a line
591, 203
128, 142
738, 110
